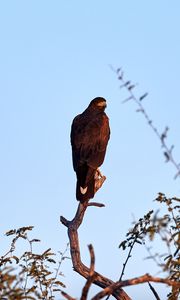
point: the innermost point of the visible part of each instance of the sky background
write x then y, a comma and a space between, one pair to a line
54, 59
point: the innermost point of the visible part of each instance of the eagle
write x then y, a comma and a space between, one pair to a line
90, 133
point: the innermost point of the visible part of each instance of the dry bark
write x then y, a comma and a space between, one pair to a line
109, 287
78, 266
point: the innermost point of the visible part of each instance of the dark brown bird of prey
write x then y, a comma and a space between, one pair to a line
90, 133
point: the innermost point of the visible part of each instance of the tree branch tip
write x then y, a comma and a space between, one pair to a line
67, 296
154, 291
91, 251
64, 221
96, 204
90, 246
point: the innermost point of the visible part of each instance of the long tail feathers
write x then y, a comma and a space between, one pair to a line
86, 193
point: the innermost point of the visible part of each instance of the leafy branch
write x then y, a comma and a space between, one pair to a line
167, 227
34, 276
129, 86
135, 236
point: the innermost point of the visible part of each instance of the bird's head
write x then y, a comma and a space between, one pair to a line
98, 103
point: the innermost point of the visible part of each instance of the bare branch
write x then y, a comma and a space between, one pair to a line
64, 221
96, 204
67, 296
91, 274
154, 291
78, 266
138, 280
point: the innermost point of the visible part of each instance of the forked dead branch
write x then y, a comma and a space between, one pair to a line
108, 286
78, 266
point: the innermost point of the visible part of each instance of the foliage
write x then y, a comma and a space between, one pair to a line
30, 275
138, 100
167, 227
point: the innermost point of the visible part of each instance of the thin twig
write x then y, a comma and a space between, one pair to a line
61, 260
167, 151
154, 291
67, 296
128, 257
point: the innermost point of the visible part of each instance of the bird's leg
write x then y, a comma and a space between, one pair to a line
99, 174
99, 180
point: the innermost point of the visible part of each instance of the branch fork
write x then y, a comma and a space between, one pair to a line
88, 273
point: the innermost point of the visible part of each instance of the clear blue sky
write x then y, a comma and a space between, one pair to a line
54, 58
